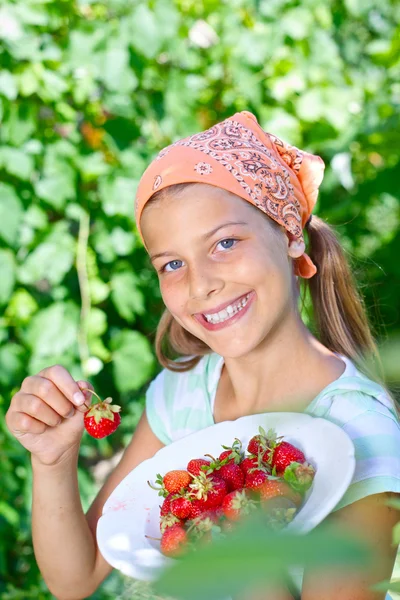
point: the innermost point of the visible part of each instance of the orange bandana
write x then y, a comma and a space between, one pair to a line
240, 157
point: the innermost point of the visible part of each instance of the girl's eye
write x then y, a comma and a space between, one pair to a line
229, 240
174, 264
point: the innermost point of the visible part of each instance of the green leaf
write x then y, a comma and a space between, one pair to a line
115, 71
53, 330
146, 35
57, 184
117, 195
12, 363
263, 556
126, 295
11, 212
8, 85
17, 162
52, 259
92, 166
10, 514
133, 360
122, 241
7, 279
21, 307
20, 124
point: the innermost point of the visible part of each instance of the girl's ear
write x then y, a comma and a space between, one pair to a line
295, 247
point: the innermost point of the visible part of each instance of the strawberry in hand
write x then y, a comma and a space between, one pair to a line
102, 418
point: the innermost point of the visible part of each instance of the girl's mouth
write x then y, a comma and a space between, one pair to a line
227, 317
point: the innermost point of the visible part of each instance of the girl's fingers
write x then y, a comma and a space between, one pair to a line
84, 385
46, 392
33, 406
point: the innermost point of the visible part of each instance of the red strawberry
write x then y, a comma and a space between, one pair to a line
181, 507
195, 466
232, 453
166, 505
250, 462
272, 488
254, 479
196, 509
173, 541
284, 454
237, 504
208, 489
169, 520
201, 526
260, 442
233, 475
102, 418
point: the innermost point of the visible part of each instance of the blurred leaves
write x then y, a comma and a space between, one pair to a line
254, 555
89, 93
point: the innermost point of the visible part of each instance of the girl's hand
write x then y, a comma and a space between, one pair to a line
45, 415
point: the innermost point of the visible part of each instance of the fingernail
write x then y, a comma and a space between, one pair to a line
78, 398
71, 413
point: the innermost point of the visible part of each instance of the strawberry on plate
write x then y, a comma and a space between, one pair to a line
285, 453
237, 504
174, 541
196, 465
209, 490
173, 482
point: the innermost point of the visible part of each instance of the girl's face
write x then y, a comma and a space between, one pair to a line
217, 250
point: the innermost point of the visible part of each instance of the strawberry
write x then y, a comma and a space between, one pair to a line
181, 507
237, 504
102, 418
228, 470
260, 443
203, 526
299, 476
233, 475
173, 482
254, 479
250, 462
279, 511
166, 505
169, 520
173, 541
285, 453
196, 509
271, 488
232, 453
196, 465
208, 489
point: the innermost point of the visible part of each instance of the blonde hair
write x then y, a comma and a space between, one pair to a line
338, 313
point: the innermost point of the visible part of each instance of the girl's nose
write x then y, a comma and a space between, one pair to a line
203, 280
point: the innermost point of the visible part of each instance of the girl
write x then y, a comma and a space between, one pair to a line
222, 215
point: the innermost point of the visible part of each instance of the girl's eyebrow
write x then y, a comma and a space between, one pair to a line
204, 237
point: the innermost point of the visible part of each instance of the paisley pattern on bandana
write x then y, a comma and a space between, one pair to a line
239, 156
264, 178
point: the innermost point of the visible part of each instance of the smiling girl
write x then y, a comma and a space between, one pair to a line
222, 215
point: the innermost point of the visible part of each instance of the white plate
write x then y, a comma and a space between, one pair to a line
133, 509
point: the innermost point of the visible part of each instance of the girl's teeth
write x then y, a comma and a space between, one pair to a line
227, 312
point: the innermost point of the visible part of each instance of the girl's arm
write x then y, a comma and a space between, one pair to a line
64, 538
372, 521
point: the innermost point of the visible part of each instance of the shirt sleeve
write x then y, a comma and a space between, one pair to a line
156, 409
376, 438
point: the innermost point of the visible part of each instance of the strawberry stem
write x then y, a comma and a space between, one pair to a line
92, 392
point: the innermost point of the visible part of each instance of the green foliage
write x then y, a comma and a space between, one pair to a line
89, 93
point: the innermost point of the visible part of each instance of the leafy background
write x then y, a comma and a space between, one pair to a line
89, 93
